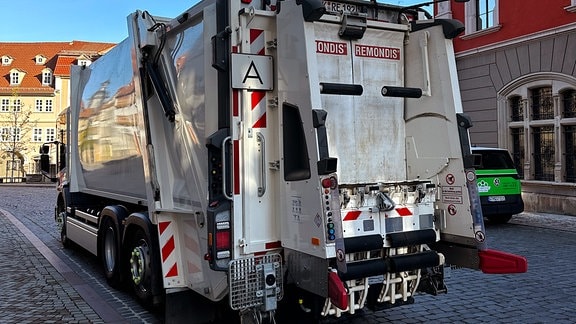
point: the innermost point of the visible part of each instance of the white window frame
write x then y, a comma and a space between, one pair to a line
16, 105
37, 135
39, 106
5, 105
571, 7
470, 12
7, 134
4, 134
50, 134
84, 62
46, 77
40, 60
6, 60
14, 78
48, 104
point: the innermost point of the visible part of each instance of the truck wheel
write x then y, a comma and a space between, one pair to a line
141, 266
111, 253
61, 221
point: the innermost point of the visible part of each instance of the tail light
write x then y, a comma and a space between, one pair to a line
219, 235
329, 183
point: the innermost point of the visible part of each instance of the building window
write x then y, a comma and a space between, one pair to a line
541, 123
48, 105
481, 16
37, 135
484, 14
14, 78
5, 105
517, 113
40, 59
542, 106
50, 135
39, 107
10, 134
16, 105
518, 150
570, 152
6, 60
84, 62
4, 134
46, 77
569, 103
543, 153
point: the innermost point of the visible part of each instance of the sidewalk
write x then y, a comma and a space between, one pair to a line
33, 290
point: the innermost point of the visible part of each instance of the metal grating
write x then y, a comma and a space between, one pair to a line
544, 147
570, 152
518, 150
247, 285
542, 103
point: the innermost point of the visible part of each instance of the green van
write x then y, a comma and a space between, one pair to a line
498, 184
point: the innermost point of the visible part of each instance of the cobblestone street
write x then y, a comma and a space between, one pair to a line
44, 283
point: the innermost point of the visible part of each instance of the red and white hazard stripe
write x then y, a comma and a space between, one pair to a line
258, 98
353, 215
194, 256
167, 249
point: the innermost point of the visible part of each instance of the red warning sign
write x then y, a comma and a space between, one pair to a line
452, 210
450, 179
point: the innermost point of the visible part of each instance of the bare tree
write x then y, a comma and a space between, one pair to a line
16, 123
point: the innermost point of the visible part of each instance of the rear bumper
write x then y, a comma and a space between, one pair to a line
513, 205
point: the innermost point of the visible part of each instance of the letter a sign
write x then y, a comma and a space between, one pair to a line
252, 72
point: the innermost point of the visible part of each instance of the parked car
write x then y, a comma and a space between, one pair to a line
498, 184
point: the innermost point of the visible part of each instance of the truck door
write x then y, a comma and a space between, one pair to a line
435, 152
365, 132
254, 134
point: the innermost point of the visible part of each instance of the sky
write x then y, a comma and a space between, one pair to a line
83, 20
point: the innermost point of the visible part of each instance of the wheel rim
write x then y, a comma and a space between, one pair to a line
138, 263
110, 249
62, 227
60, 220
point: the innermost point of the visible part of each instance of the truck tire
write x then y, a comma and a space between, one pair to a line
110, 250
61, 221
141, 267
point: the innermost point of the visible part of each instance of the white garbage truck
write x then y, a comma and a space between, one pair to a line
275, 159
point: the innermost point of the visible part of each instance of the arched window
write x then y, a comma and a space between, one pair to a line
540, 120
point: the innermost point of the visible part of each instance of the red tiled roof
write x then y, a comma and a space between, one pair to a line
59, 56
63, 65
